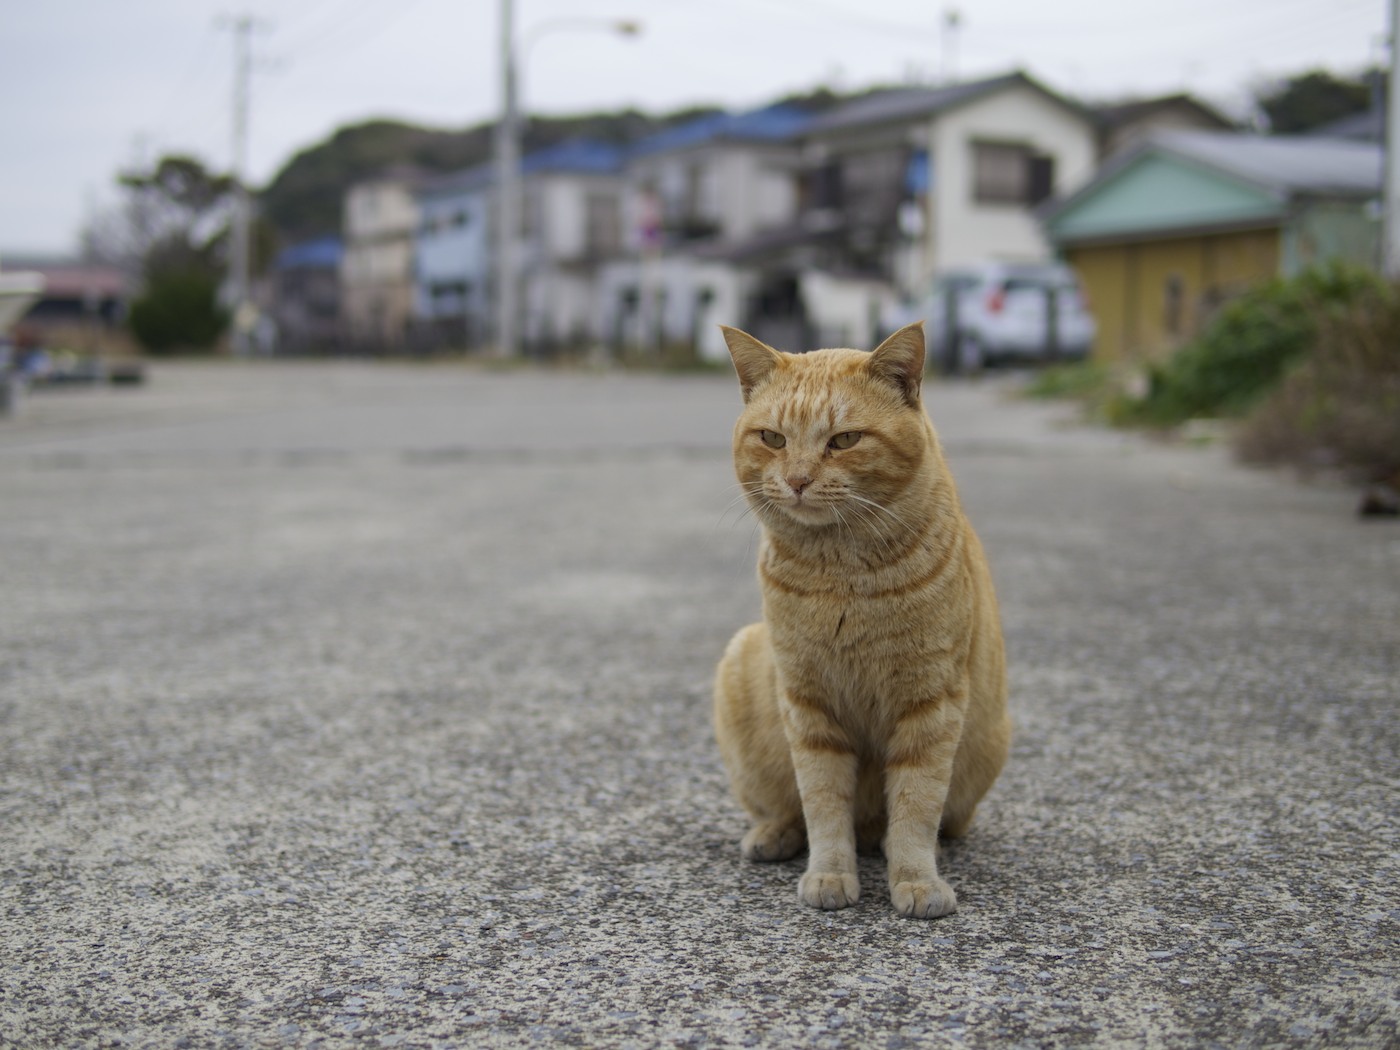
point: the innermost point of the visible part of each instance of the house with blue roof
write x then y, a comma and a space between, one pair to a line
305, 296
690, 193
571, 218
805, 229
453, 279
570, 225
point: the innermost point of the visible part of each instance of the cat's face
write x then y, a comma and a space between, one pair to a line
829, 438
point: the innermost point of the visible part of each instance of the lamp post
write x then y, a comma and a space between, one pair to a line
508, 164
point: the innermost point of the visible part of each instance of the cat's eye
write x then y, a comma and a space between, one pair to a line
845, 440
772, 438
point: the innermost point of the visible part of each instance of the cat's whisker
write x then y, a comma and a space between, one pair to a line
743, 500
869, 519
880, 507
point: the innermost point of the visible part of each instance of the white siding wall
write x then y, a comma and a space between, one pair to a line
964, 231
565, 220
756, 194
683, 316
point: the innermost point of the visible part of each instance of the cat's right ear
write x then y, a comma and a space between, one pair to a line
753, 360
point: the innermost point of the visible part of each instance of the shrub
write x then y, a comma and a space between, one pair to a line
1080, 380
179, 311
1247, 348
1341, 406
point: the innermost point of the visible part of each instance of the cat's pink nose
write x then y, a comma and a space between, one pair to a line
797, 484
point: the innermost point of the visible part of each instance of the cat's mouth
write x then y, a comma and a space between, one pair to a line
804, 508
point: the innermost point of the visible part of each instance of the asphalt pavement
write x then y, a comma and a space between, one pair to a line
354, 704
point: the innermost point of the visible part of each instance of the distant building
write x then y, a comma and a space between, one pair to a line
305, 293
1359, 127
453, 251
1169, 230
83, 306
899, 185
696, 196
904, 184
1128, 123
571, 219
379, 224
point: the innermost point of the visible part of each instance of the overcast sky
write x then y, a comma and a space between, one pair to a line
91, 86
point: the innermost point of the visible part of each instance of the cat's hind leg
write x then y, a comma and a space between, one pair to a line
749, 729
774, 840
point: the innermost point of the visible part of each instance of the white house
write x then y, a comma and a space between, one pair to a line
695, 195
914, 181
804, 229
379, 224
571, 224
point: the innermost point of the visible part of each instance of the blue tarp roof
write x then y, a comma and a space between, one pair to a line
584, 156
770, 124
321, 253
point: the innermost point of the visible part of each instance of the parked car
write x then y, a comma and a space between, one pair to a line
1000, 312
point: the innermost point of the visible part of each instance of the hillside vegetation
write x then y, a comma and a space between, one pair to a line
303, 200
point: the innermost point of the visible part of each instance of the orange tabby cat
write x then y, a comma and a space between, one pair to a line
869, 706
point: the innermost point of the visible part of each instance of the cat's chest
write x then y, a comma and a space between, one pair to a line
835, 611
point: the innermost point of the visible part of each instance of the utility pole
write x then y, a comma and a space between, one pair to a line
240, 261
1390, 191
507, 192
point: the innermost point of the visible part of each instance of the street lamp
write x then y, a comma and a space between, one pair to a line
508, 161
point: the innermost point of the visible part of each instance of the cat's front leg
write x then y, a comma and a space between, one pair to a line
825, 764
918, 769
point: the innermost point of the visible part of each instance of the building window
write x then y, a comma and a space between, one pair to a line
1010, 173
823, 187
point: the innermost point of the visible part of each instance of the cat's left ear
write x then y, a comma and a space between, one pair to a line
753, 360
899, 361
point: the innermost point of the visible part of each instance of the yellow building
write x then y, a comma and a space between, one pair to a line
1169, 230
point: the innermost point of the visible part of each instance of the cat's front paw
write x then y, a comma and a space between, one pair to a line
828, 890
925, 899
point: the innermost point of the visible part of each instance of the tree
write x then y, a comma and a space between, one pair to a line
1310, 100
178, 311
176, 228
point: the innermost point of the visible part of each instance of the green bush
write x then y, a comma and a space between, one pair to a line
179, 311
1079, 380
1247, 348
1340, 407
